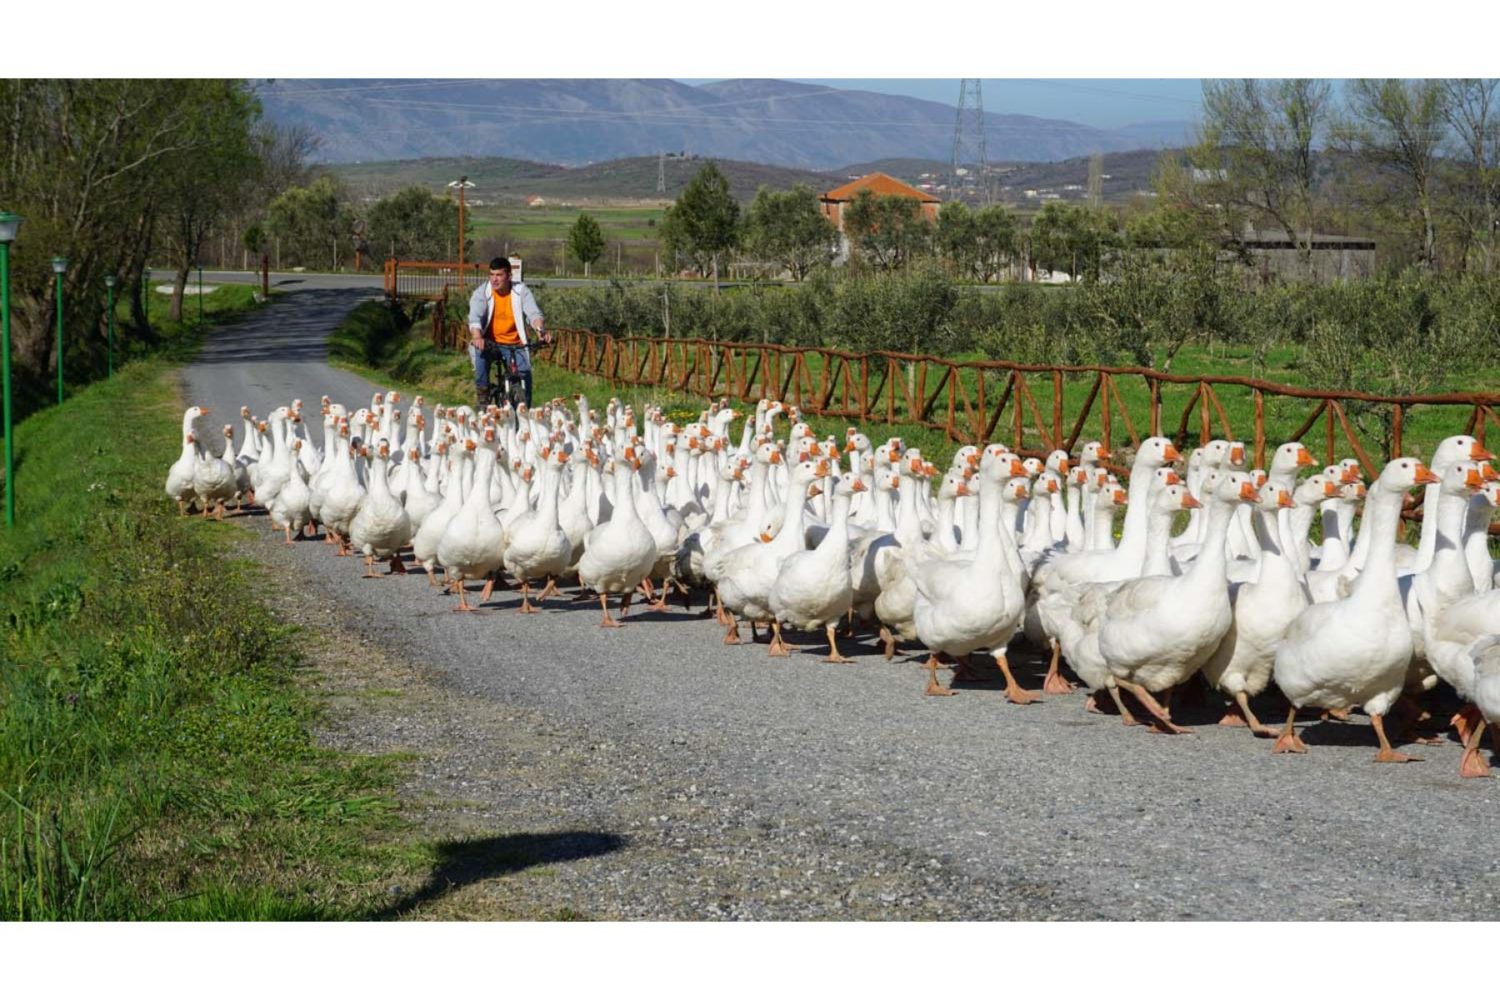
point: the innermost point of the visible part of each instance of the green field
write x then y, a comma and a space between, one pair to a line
552, 222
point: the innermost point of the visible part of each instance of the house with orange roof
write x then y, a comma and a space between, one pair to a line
833, 202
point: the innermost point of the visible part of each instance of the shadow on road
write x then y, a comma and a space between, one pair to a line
464, 862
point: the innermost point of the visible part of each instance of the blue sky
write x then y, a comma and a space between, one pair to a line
1101, 103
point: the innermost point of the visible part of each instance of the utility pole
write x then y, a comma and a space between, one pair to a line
1096, 180
968, 143
463, 184
661, 173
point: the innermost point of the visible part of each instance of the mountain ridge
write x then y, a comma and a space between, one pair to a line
580, 121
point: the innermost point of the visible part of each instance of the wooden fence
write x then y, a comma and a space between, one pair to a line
1036, 407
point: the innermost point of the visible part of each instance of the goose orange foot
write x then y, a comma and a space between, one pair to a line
1386, 755
889, 638
1055, 682
834, 656
933, 687
1288, 741
1014, 692
608, 622
777, 647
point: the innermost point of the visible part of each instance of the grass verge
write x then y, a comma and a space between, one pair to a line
155, 753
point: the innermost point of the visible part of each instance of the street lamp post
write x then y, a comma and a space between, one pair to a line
59, 268
463, 184
10, 224
109, 283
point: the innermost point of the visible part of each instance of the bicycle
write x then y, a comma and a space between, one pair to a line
511, 387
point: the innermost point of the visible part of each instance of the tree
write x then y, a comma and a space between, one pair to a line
586, 240
887, 230
88, 162
205, 182
1256, 148
309, 221
1473, 114
413, 224
704, 222
1073, 238
977, 244
1400, 126
789, 228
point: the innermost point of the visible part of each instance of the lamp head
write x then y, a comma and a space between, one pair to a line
10, 226
59, 265
109, 281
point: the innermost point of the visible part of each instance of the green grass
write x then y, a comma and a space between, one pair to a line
552, 222
156, 760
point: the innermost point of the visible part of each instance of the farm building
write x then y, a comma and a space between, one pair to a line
1334, 258
833, 202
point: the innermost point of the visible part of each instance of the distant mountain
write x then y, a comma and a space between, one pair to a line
574, 122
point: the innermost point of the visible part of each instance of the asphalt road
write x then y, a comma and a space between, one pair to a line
1047, 810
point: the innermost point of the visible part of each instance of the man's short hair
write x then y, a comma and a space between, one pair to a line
499, 263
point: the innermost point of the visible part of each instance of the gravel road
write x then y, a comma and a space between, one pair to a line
694, 780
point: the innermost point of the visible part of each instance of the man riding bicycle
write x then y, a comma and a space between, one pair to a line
499, 310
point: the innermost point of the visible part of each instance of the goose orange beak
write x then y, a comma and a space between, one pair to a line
1474, 480
1051, 486
775, 458
814, 490
962, 490
1488, 472
858, 486
1189, 501
1330, 490
765, 536
1249, 492
1479, 454
1062, 466
1304, 457
1173, 478
1424, 474
1236, 455
1119, 496
1283, 498
1103, 453
1016, 468
1352, 473
1171, 453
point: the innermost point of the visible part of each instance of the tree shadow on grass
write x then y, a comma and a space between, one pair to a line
464, 862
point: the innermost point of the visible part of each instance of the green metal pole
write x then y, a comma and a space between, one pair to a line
109, 369
10, 463
59, 338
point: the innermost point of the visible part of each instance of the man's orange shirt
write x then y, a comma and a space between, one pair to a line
503, 322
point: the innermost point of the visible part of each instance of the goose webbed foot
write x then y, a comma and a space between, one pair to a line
1473, 765
1055, 682
1386, 755
1014, 692
1161, 721
933, 687
889, 638
607, 622
834, 656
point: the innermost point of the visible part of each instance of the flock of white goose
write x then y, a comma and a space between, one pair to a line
790, 531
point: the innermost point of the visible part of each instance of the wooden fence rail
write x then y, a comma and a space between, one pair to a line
973, 401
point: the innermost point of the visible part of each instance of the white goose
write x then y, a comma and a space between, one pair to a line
1159, 630
813, 588
473, 542
180, 475
966, 605
620, 552
288, 510
214, 478
538, 547
1354, 652
382, 527
1263, 610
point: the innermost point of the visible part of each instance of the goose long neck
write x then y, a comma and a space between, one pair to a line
1158, 560
837, 536
1132, 537
1212, 558
1267, 534
1377, 580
